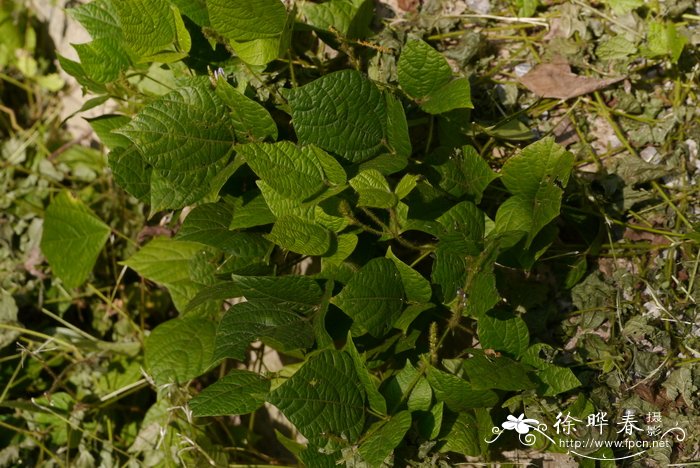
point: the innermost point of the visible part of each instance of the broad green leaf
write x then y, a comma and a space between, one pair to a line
131, 172
373, 189
416, 286
209, 224
409, 314
240, 392
398, 388
464, 222
457, 393
373, 297
271, 322
92, 59
503, 332
449, 270
462, 173
407, 183
167, 261
462, 436
196, 10
422, 69
249, 20
254, 212
72, 239
615, 48
499, 373
342, 112
99, 18
180, 349
383, 438
553, 379
250, 120
291, 171
386, 163
186, 137
298, 293
663, 38
376, 401
150, 30
103, 126
324, 399
334, 172
398, 138
454, 95
421, 397
295, 234
345, 246
534, 178
351, 18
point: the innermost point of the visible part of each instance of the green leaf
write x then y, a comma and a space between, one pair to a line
407, 183
458, 394
398, 138
422, 69
416, 286
556, 380
534, 177
454, 95
167, 261
150, 30
615, 48
373, 297
271, 322
429, 423
254, 212
196, 10
99, 18
376, 401
291, 171
180, 349
295, 234
103, 126
373, 189
324, 399
383, 437
243, 21
186, 137
664, 39
426, 76
622, 7
421, 397
351, 18
463, 173
462, 436
92, 59
503, 332
240, 392
72, 239
131, 172
8, 316
499, 373
298, 293
209, 224
250, 120
342, 112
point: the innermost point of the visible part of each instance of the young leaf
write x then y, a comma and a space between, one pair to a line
240, 392
373, 297
535, 178
180, 349
384, 437
342, 112
72, 239
323, 399
185, 136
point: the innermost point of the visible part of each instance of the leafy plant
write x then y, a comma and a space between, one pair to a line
354, 225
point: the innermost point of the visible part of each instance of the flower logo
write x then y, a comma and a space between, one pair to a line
520, 424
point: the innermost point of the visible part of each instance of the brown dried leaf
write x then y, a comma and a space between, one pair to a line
555, 80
